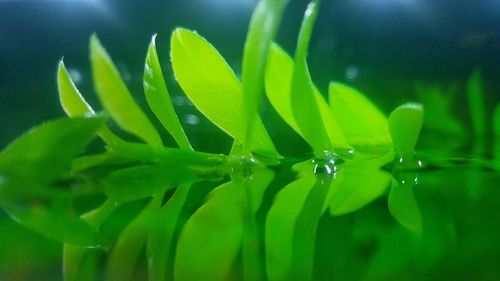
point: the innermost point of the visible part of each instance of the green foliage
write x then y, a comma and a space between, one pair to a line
158, 98
43, 174
116, 98
475, 96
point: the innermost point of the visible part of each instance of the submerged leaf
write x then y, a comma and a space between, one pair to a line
116, 98
213, 88
217, 228
158, 98
362, 123
263, 26
405, 123
355, 186
403, 206
476, 102
131, 242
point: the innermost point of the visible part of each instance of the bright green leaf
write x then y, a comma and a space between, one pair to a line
116, 98
263, 26
403, 206
279, 74
405, 123
355, 186
213, 88
476, 102
362, 123
158, 98
75, 105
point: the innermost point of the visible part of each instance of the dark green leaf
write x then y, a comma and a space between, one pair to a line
116, 98
158, 98
127, 249
45, 152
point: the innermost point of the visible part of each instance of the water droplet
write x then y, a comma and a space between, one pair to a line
326, 164
241, 167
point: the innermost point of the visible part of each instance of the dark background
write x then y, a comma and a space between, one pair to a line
380, 46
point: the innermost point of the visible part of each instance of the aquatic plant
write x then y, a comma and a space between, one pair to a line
43, 172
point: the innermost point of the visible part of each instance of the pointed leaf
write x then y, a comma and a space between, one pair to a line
74, 104
362, 123
116, 98
403, 206
263, 26
46, 151
158, 98
212, 86
405, 123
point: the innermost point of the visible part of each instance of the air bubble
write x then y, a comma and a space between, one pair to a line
326, 163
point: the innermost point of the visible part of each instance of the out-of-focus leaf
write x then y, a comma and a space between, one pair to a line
54, 222
143, 181
162, 236
127, 249
356, 186
217, 228
308, 114
42, 154
476, 102
496, 122
281, 220
263, 26
75, 105
213, 88
116, 98
159, 99
279, 72
405, 123
79, 263
362, 123
403, 206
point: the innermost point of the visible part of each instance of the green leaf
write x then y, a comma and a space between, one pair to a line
75, 105
71, 100
362, 123
42, 154
263, 26
217, 228
306, 111
279, 72
405, 123
127, 249
281, 220
356, 186
158, 98
403, 206
213, 87
55, 222
210, 241
116, 98
476, 102
496, 122
163, 234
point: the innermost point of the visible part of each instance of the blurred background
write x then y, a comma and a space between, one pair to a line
393, 50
